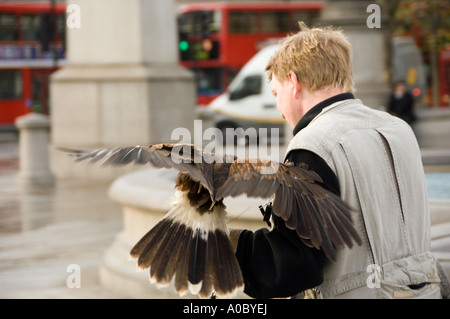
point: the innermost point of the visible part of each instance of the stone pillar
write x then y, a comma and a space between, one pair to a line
369, 68
122, 84
34, 168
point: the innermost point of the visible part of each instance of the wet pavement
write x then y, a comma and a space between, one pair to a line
44, 231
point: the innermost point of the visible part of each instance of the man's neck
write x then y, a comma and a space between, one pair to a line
314, 111
312, 99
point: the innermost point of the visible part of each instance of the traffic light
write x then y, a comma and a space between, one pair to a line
183, 45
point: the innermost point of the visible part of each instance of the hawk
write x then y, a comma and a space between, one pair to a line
190, 246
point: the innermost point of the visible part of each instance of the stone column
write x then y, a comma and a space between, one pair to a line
34, 150
369, 68
122, 84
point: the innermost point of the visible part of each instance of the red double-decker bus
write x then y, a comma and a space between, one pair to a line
217, 39
31, 48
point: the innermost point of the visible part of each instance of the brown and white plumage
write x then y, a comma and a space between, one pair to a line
190, 245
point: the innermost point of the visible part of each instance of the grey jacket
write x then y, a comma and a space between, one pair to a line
377, 161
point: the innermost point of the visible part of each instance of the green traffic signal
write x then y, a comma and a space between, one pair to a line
184, 45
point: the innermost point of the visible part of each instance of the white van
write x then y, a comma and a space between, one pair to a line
249, 101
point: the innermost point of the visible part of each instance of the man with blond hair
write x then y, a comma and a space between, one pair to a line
369, 158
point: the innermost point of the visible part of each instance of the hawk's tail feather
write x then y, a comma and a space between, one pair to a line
191, 249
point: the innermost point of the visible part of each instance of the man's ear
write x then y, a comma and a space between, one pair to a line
296, 86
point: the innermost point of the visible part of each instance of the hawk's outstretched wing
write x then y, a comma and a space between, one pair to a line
321, 218
186, 158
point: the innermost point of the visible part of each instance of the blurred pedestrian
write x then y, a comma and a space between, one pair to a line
401, 103
369, 158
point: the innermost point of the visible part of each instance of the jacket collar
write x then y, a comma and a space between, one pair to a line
312, 113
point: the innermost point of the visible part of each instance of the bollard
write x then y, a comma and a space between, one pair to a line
33, 150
